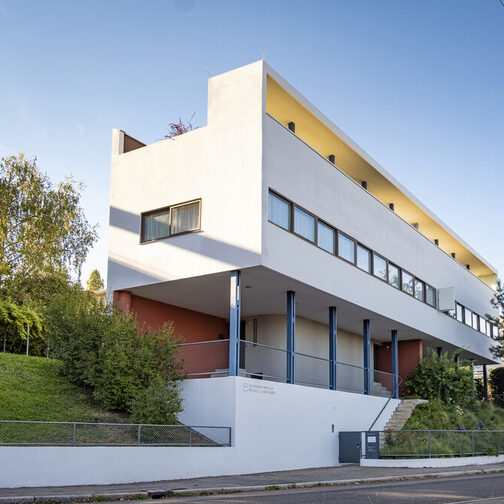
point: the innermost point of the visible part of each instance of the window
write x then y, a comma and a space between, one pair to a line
468, 317
184, 218
482, 325
407, 282
460, 312
430, 296
363, 258
170, 221
488, 329
346, 248
475, 320
379, 267
279, 211
419, 289
304, 224
394, 276
495, 331
325, 237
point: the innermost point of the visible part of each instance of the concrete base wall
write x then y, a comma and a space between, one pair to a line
275, 426
432, 462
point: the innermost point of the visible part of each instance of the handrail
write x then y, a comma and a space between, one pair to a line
399, 381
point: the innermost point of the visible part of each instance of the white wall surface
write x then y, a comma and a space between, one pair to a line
312, 338
433, 462
219, 163
276, 427
294, 170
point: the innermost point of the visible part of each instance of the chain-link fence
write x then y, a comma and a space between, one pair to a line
440, 443
18, 433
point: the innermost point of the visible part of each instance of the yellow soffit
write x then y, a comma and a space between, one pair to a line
285, 108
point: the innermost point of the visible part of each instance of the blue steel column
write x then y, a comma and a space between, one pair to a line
485, 383
366, 336
395, 366
234, 323
291, 335
333, 339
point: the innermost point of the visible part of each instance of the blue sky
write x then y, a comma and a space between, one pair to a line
418, 84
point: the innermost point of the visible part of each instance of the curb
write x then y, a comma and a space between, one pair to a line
234, 489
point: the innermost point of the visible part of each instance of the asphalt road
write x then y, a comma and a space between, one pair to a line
487, 489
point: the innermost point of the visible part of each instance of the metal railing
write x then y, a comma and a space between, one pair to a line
440, 443
23, 433
268, 362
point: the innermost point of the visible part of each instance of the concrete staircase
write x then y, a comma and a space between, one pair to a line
377, 389
402, 414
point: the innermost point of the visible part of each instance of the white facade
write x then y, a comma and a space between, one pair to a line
231, 166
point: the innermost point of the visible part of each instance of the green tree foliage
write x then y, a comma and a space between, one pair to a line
42, 226
496, 381
100, 347
95, 281
15, 322
440, 377
498, 303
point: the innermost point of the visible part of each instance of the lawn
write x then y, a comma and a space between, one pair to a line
31, 388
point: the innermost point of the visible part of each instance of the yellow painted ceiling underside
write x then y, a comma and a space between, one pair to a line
285, 108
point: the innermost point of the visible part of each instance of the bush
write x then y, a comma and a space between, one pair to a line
100, 347
76, 323
156, 404
130, 363
496, 381
14, 322
440, 377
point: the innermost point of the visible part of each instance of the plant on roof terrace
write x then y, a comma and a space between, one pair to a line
179, 128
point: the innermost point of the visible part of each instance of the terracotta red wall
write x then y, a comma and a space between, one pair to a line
188, 326
409, 352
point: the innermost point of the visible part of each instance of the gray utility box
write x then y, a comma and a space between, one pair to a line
372, 445
350, 447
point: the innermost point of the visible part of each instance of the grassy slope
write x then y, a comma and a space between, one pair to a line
32, 389
436, 415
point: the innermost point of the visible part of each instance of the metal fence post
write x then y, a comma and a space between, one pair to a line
74, 434
472, 442
139, 435
190, 436
229, 431
430, 447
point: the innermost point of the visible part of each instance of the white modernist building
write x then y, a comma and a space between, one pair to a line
303, 280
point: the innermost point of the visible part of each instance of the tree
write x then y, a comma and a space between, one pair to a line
498, 303
17, 323
95, 281
440, 377
43, 229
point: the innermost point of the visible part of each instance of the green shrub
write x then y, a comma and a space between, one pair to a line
440, 377
100, 347
15, 319
156, 404
130, 362
496, 381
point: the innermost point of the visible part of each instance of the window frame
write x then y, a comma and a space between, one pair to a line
373, 254
427, 285
291, 213
415, 281
412, 294
169, 210
293, 223
335, 236
338, 232
370, 258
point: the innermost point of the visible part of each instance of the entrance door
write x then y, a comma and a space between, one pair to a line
350, 447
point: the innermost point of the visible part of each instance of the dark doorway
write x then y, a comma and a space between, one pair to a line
242, 345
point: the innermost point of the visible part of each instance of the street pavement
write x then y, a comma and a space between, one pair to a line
483, 489
341, 475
